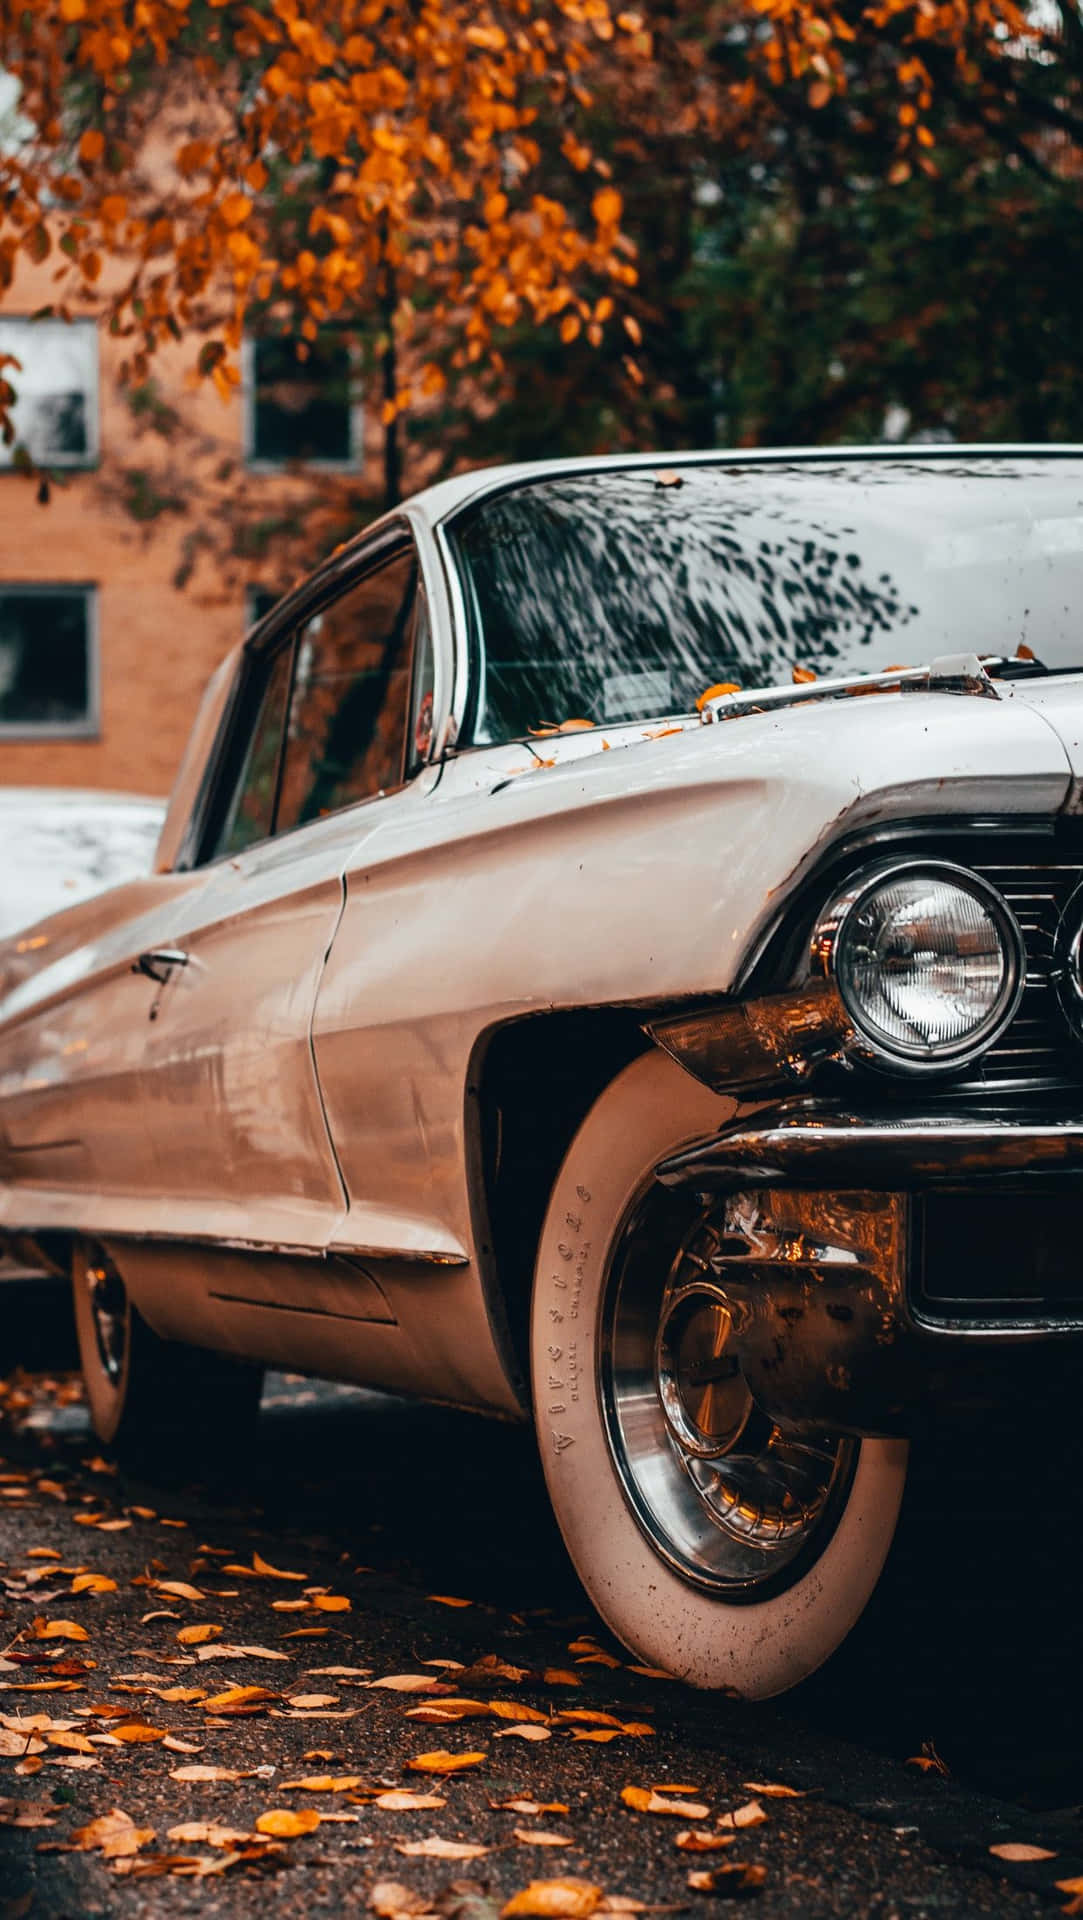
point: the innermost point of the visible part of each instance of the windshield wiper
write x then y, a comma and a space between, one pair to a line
952, 673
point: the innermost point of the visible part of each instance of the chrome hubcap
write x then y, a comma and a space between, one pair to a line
109, 1312
728, 1498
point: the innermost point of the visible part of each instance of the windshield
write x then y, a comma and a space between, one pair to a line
623, 595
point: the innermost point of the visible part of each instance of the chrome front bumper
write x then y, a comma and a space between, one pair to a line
868, 1258
817, 1146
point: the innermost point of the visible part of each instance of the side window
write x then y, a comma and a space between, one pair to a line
250, 810
348, 716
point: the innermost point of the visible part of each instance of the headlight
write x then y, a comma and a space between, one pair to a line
928, 960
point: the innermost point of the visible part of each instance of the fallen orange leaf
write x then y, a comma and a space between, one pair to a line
113, 1835
554, 1900
41, 1629
646, 1800
436, 1849
441, 1762
325, 1783
750, 1815
736, 1877
287, 1823
1021, 1850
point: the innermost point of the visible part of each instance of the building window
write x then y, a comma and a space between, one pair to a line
48, 660
257, 602
56, 390
301, 402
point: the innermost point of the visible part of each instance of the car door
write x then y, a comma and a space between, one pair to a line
229, 1093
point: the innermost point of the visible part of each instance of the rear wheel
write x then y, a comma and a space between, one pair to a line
715, 1544
159, 1403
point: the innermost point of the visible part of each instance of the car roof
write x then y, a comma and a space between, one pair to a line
84, 798
440, 501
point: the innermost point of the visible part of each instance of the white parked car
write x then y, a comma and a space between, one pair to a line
616, 953
58, 845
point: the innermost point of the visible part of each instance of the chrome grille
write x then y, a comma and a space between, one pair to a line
1038, 1047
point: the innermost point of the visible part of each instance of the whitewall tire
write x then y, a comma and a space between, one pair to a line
675, 1601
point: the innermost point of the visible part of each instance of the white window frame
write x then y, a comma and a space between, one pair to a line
258, 463
91, 456
89, 727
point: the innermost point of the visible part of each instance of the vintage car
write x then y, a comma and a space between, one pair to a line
616, 950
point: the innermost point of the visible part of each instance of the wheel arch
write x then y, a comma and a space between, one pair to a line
532, 1081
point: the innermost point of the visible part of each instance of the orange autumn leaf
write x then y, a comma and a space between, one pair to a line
324, 1783
41, 1629
288, 1823
198, 1636
93, 1583
261, 1566
239, 1700
441, 1762
647, 1800
114, 1835
435, 1848
569, 1899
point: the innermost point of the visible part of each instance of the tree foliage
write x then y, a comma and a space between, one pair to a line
565, 226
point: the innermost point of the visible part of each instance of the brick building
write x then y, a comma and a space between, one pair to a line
120, 592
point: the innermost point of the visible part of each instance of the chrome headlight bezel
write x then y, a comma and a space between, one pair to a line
828, 944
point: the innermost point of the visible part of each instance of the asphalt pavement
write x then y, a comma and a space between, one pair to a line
367, 1540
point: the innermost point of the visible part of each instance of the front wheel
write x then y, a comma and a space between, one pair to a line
713, 1543
158, 1403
